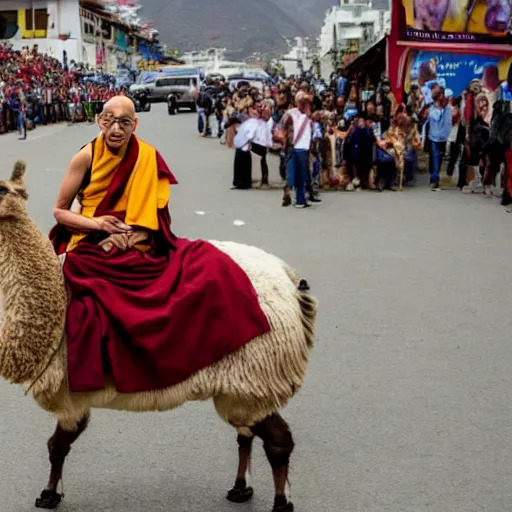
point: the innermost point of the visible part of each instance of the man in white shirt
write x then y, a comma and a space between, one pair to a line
262, 139
298, 124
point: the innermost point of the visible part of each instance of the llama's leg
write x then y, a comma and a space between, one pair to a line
278, 445
59, 446
241, 492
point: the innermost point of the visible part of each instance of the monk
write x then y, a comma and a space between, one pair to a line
146, 309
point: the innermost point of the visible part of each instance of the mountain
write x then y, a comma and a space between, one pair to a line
241, 26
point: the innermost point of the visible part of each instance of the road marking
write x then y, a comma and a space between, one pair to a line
199, 212
239, 223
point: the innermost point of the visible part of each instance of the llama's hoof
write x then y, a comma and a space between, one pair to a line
283, 508
49, 499
240, 495
303, 285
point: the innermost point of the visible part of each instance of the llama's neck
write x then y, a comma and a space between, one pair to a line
31, 319
16, 240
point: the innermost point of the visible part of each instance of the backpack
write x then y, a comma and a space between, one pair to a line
205, 99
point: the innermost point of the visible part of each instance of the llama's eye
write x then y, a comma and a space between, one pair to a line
3, 190
21, 192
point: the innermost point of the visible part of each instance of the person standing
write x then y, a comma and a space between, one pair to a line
49, 111
206, 102
297, 123
262, 139
19, 111
440, 126
456, 137
242, 167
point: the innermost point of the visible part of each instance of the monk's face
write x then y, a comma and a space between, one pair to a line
117, 121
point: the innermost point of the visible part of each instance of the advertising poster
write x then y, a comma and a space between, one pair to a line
454, 71
100, 54
481, 21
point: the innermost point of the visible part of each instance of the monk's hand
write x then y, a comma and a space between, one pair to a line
111, 224
117, 240
137, 237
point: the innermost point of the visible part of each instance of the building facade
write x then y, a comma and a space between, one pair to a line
299, 58
213, 61
90, 32
350, 29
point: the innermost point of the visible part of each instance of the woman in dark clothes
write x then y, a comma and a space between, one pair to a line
478, 136
242, 174
242, 167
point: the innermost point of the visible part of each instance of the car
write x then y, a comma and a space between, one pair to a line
181, 94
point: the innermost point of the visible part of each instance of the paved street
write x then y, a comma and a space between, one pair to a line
407, 405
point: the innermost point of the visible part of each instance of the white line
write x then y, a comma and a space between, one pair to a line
239, 223
199, 212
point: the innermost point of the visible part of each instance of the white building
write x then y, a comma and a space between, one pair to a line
299, 58
351, 28
41, 22
212, 61
88, 31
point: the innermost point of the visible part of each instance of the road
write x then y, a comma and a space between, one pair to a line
407, 405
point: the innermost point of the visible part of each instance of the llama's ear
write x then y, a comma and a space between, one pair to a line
18, 173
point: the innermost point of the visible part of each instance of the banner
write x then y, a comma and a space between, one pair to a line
121, 39
100, 54
482, 21
454, 71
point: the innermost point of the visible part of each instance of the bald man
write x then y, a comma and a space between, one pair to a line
117, 123
144, 305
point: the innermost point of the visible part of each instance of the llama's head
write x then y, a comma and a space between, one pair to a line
13, 193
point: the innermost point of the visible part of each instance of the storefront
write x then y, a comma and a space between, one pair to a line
369, 67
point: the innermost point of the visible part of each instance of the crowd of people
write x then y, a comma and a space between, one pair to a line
335, 135
344, 136
36, 89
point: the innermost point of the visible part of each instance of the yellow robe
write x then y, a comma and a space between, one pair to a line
144, 195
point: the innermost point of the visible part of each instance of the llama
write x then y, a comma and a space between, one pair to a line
249, 387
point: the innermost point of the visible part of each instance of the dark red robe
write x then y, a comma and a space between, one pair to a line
151, 320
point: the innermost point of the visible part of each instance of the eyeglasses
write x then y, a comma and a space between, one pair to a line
108, 120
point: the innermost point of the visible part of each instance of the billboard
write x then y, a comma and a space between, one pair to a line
480, 21
455, 71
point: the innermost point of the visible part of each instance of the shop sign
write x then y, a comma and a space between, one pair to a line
460, 21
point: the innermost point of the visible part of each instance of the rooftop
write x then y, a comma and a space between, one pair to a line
124, 13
